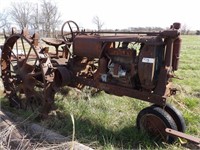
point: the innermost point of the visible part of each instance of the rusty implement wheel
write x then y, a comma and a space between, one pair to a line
154, 121
26, 73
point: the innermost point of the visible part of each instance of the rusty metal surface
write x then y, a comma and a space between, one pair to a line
62, 77
190, 138
154, 125
166, 33
53, 41
26, 75
117, 67
87, 46
129, 38
106, 60
149, 65
176, 53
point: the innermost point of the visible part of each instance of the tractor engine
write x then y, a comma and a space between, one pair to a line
132, 62
120, 66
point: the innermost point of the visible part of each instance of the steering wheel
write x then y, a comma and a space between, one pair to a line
69, 30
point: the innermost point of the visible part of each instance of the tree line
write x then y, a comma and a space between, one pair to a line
43, 17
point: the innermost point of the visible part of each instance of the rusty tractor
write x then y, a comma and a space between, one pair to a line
134, 64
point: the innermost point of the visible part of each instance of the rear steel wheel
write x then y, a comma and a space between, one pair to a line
154, 121
26, 72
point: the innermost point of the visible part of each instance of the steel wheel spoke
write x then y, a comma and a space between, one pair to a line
23, 47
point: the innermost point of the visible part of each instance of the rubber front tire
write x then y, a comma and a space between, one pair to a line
176, 115
154, 121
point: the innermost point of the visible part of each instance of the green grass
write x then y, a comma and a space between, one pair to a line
108, 122
103, 119
189, 98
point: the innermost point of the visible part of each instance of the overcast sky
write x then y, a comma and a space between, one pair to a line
127, 13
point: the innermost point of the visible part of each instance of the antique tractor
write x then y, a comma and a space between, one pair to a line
135, 64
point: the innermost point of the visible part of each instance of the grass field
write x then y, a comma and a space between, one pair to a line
108, 122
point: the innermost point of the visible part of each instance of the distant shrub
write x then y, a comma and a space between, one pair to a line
198, 32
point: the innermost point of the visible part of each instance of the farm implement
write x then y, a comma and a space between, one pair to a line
140, 65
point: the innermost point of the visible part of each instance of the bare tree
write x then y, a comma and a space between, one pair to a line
27, 14
34, 22
3, 20
185, 29
50, 17
21, 13
5, 23
98, 22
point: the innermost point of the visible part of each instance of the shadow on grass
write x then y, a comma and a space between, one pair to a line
95, 135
